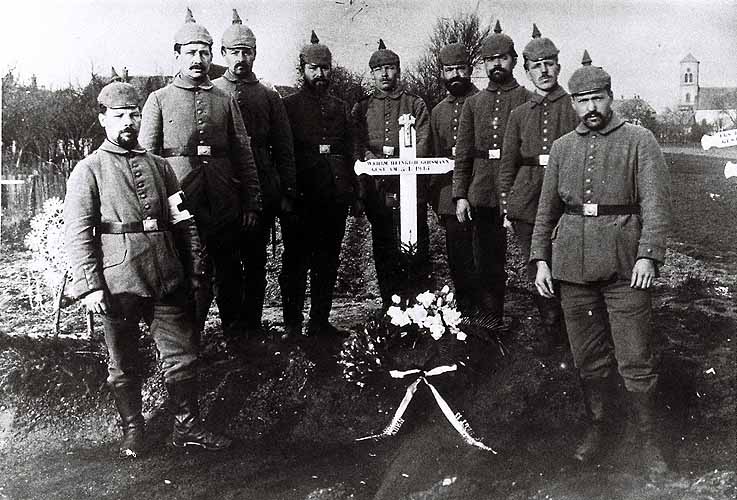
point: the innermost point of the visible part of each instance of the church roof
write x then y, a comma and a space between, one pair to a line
717, 98
689, 59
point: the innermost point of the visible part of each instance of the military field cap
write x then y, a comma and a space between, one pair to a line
238, 35
116, 95
383, 56
539, 48
192, 32
454, 53
315, 52
497, 44
588, 78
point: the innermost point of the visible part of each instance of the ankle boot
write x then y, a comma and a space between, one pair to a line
128, 402
188, 428
598, 394
645, 407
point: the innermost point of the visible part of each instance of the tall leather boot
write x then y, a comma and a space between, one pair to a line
645, 407
552, 334
598, 394
128, 402
188, 428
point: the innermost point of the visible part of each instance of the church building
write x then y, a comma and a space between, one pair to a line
716, 106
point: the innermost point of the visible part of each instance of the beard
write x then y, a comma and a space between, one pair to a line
457, 86
318, 84
127, 138
500, 75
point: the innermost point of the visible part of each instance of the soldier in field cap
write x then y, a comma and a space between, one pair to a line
478, 154
327, 188
600, 231
135, 253
199, 128
377, 122
271, 142
531, 130
456, 76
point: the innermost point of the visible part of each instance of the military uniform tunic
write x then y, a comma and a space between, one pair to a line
377, 123
444, 123
326, 186
593, 256
268, 127
142, 273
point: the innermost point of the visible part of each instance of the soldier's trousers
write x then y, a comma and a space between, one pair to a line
254, 245
459, 248
312, 239
551, 307
490, 254
227, 279
608, 327
388, 256
172, 328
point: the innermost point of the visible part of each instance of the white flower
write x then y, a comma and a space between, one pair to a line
439, 303
437, 328
417, 314
445, 290
452, 317
426, 298
396, 299
461, 335
450, 296
398, 316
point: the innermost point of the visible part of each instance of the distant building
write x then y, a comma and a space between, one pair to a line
716, 106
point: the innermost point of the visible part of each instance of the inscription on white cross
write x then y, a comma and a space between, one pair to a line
407, 167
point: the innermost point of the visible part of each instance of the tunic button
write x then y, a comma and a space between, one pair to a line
137, 174
545, 122
454, 128
588, 191
545, 139
545, 148
143, 195
592, 145
545, 131
147, 206
494, 145
454, 137
140, 184
199, 111
202, 131
588, 180
495, 136
591, 157
496, 109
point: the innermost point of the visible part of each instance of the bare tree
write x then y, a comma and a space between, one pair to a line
464, 27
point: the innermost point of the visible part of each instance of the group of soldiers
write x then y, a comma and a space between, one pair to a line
175, 207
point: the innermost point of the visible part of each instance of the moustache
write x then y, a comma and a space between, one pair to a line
593, 114
197, 66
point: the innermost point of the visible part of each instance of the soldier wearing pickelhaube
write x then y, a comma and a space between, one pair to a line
135, 253
199, 129
377, 124
327, 188
530, 132
478, 153
601, 231
271, 142
456, 76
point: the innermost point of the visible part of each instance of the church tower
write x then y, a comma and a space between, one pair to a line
689, 88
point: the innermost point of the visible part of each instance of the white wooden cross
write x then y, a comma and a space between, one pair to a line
407, 167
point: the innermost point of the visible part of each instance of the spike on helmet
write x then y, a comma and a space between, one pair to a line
497, 43
383, 56
238, 35
192, 32
588, 78
315, 52
539, 48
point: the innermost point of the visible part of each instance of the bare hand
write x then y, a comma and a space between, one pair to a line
463, 210
508, 225
544, 280
250, 220
95, 302
368, 155
643, 274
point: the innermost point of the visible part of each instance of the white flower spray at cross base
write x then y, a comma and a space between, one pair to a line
438, 316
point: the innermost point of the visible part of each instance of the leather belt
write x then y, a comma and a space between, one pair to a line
535, 161
325, 149
595, 209
488, 154
144, 226
211, 151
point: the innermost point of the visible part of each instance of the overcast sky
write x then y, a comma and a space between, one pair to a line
639, 42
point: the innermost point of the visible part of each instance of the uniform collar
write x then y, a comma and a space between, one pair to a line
311, 94
188, 84
232, 78
111, 147
394, 94
473, 89
614, 123
550, 97
506, 87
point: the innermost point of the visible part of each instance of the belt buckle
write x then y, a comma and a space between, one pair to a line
388, 150
324, 149
590, 209
204, 151
543, 160
453, 151
495, 154
150, 225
